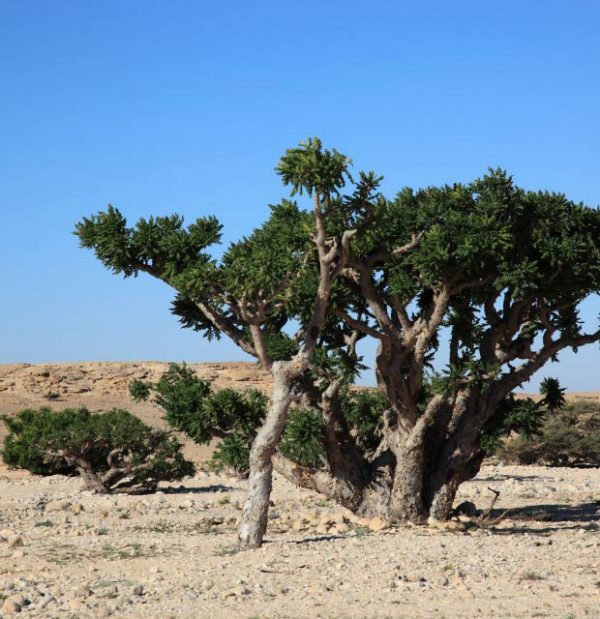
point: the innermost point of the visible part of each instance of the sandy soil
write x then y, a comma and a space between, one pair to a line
67, 553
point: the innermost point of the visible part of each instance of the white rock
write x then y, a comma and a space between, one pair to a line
14, 541
57, 506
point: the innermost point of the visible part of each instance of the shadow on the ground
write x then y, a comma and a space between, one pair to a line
584, 512
318, 538
504, 477
542, 520
195, 490
537, 520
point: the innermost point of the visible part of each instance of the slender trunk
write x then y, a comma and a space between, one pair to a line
253, 524
346, 463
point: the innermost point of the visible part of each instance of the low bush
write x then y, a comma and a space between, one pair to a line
112, 451
569, 437
193, 407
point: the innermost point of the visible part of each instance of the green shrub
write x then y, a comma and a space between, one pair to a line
302, 439
191, 406
363, 411
570, 437
522, 416
112, 451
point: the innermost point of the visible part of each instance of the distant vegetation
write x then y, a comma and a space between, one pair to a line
570, 437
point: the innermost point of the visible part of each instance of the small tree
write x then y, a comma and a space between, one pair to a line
112, 451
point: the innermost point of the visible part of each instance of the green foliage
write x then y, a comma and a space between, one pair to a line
302, 439
570, 437
193, 407
233, 454
314, 170
76, 440
553, 394
522, 416
363, 411
28, 432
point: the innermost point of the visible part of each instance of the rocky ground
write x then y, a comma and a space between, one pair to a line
66, 553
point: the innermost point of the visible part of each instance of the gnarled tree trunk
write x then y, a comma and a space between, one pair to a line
253, 524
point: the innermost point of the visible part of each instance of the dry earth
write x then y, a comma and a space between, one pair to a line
67, 553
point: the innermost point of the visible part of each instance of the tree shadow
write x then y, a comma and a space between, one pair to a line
584, 512
504, 477
201, 490
318, 538
548, 518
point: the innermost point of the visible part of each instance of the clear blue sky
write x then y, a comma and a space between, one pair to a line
186, 106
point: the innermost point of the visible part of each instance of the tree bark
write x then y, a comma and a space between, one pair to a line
253, 524
92, 482
406, 498
443, 500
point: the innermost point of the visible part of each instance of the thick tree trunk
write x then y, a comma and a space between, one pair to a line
253, 524
407, 493
413, 478
443, 500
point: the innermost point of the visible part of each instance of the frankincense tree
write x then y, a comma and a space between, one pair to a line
499, 269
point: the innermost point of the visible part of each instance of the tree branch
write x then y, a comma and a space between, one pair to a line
359, 325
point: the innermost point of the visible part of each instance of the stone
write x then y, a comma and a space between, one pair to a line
451, 525
14, 541
10, 608
339, 529
57, 506
441, 581
75, 604
18, 599
238, 592
137, 590
76, 508
466, 508
47, 601
299, 525
84, 591
377, 524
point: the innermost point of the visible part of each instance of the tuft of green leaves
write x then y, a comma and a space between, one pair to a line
302, 439
310, 168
